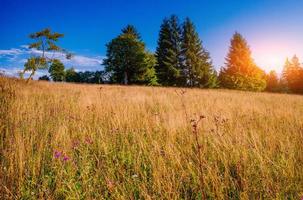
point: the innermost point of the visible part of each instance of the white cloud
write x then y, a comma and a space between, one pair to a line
11, 52
22, 61
24, 46
10, 72
77, 61
12, 60
82, 60
14, 72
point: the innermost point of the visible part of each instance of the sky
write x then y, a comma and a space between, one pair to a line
272, 28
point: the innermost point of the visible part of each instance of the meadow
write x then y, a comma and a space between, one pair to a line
81, 141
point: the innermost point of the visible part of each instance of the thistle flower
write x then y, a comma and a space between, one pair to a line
65, 158
57, 154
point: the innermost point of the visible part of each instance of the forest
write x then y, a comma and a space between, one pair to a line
180, 60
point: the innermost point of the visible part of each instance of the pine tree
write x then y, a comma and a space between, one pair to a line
168, 53
293, 75
56, 70
240, 71
272, 84
150, 77
126, 60
131, 31
197, 65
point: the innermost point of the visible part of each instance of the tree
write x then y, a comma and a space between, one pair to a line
71, 75
272, 82
86, 77
44, 78
56, 70
126, 57
98, 77
197, 66
168, 53
240, 71
45, 43
293, 75
150, 77
33, 64
131, 31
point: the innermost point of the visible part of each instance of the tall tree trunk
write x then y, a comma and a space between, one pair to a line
125, 78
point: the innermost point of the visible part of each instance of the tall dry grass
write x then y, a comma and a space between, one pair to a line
68, 141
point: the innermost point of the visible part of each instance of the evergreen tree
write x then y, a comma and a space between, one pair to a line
272, 82
240, 71
131, 31
197, 66
150, 77
293, 75
168, 53
56, 70
126, 57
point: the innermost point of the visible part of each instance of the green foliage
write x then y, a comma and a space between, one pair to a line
197, 67
45, 41
98, 77
293, 75
56, 70
127, 60
33, 64
84, 77
91, 77
131, 31
240, 71
181, 58
240, 81
149, 77
168, 53
71, 75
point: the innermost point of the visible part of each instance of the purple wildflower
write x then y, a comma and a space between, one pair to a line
58, 154
65, 158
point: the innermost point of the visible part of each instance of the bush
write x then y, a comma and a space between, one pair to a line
243, 82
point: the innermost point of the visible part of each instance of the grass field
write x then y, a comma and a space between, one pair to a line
68, 141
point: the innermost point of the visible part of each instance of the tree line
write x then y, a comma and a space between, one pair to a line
58, 73
180, 60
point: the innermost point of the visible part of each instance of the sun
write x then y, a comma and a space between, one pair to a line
274, 61
271, 61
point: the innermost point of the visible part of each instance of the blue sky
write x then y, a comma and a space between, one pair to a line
273, 29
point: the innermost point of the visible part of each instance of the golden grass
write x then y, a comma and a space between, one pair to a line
69, 141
